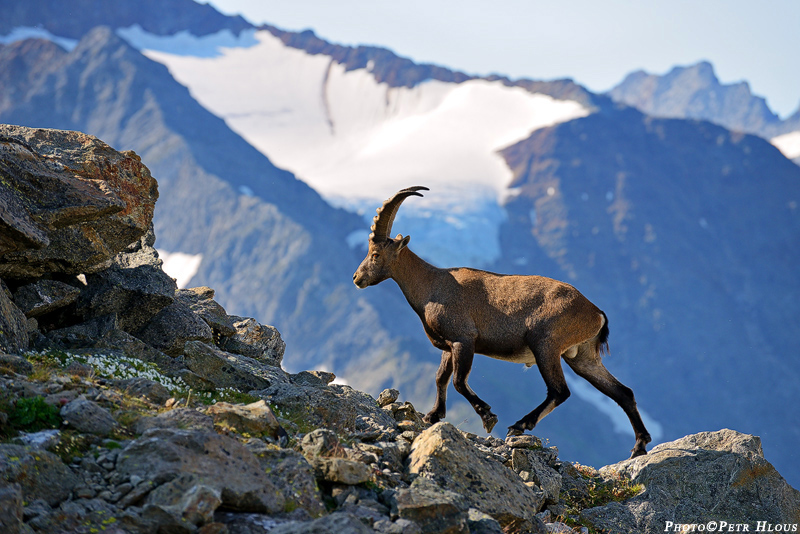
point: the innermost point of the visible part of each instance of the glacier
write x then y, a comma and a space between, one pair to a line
356, 141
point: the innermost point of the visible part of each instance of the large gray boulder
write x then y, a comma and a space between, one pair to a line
201, 301
219, 462
40, 474
172, 327
710, 476
435, 509
134, 287
87, 416
337, 407
227, 370
69, 202
261, 342
442, 454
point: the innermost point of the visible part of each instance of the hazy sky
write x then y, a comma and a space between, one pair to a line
596, 43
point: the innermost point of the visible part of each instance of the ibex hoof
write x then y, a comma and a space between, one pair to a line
512, 431
431, 418
489, 421
638, 451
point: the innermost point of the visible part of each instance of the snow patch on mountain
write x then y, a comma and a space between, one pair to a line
357, 141
180, 266
788, 143
24, 32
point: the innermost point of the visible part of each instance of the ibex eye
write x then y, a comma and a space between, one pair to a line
375, 256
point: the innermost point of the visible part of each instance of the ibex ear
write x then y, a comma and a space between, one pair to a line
404, 241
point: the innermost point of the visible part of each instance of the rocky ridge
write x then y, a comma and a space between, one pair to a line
695, 92
130, 406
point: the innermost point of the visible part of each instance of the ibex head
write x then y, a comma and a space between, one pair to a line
383, 250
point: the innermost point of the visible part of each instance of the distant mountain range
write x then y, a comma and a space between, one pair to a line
684, 232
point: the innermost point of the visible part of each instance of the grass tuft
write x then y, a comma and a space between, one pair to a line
32, 415
601, 491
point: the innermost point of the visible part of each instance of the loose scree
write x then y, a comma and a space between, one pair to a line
523, 319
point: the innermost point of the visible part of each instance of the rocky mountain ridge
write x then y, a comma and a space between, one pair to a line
74, 20
695, 92
395, 71
203, 19
143, 408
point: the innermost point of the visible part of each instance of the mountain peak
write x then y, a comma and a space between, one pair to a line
695, 92
160, 17
703, 68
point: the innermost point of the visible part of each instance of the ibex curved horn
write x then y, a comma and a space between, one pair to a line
382, 222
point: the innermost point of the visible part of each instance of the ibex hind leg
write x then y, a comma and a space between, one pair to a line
588, 365
549, 364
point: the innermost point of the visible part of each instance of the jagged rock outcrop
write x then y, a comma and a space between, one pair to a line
113, 430
200, 300
133, 287
442, 454
261, 342
710, 476
70, 202
228, 370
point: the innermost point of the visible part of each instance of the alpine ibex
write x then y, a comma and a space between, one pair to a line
521, 319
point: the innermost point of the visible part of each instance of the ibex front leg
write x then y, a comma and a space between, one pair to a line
442, 379
462, 355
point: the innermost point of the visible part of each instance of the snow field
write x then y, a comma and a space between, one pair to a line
357, 141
